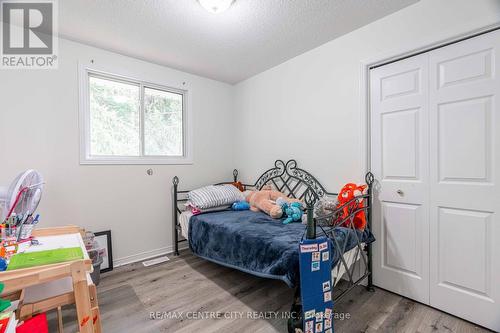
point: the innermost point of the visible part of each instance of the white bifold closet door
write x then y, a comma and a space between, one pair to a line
435, 150
400, 163
464, 114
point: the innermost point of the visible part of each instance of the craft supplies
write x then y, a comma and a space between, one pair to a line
9, 227
8, 247
23, 245
25, 231
20, 227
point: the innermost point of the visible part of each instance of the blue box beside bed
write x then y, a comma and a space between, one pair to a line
255, 243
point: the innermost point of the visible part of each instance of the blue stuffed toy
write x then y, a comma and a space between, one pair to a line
293, 211
240, 205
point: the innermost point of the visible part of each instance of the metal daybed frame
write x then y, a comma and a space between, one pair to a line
300, 184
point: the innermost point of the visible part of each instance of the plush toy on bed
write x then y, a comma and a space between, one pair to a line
240, 205
293, 210
265, 200
346, 200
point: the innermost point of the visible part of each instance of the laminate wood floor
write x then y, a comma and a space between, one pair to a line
168, 296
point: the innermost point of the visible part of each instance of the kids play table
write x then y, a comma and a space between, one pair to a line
48, 287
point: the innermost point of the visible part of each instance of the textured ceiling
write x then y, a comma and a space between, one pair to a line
252, 36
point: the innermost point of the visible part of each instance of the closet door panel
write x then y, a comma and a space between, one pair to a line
464, 184
399, 124
464, 142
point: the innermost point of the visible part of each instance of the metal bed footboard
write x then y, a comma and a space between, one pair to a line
364, 253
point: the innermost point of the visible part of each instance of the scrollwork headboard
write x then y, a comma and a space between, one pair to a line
292, 181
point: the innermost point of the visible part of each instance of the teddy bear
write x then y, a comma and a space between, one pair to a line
265, 200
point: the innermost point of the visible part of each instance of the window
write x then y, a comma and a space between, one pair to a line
131, 122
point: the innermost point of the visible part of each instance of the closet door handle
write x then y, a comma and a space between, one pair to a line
400, 192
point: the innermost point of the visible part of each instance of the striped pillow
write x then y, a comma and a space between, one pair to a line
214, 196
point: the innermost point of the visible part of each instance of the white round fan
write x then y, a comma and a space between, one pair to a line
23, 195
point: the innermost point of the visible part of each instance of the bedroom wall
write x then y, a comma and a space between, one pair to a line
309, 108
39, 129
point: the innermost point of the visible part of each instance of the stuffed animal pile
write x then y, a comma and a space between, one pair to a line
275, 204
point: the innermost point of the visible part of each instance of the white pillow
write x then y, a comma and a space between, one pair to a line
214, 196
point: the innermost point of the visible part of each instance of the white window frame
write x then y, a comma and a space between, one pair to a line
84, 121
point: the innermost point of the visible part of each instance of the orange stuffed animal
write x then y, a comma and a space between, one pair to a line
348, 192
265, 200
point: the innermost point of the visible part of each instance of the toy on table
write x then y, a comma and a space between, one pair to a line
4, 303
37, 324
293, 211
8, 247
345, 197
265, 200
3, 264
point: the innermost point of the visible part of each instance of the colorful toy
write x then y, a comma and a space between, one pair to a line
3, 264
239, 186
346, 197
37, 324
240, 205
293, 211
8, 247
4, 303
265, 200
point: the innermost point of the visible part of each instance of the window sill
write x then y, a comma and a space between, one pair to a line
136, 161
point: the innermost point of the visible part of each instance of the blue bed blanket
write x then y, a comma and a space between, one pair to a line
258, 244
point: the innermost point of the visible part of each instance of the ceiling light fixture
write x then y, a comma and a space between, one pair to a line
216, 6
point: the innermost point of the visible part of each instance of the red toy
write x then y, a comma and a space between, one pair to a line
348, 192
36, 324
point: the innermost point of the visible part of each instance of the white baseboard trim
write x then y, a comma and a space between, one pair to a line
146, 255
